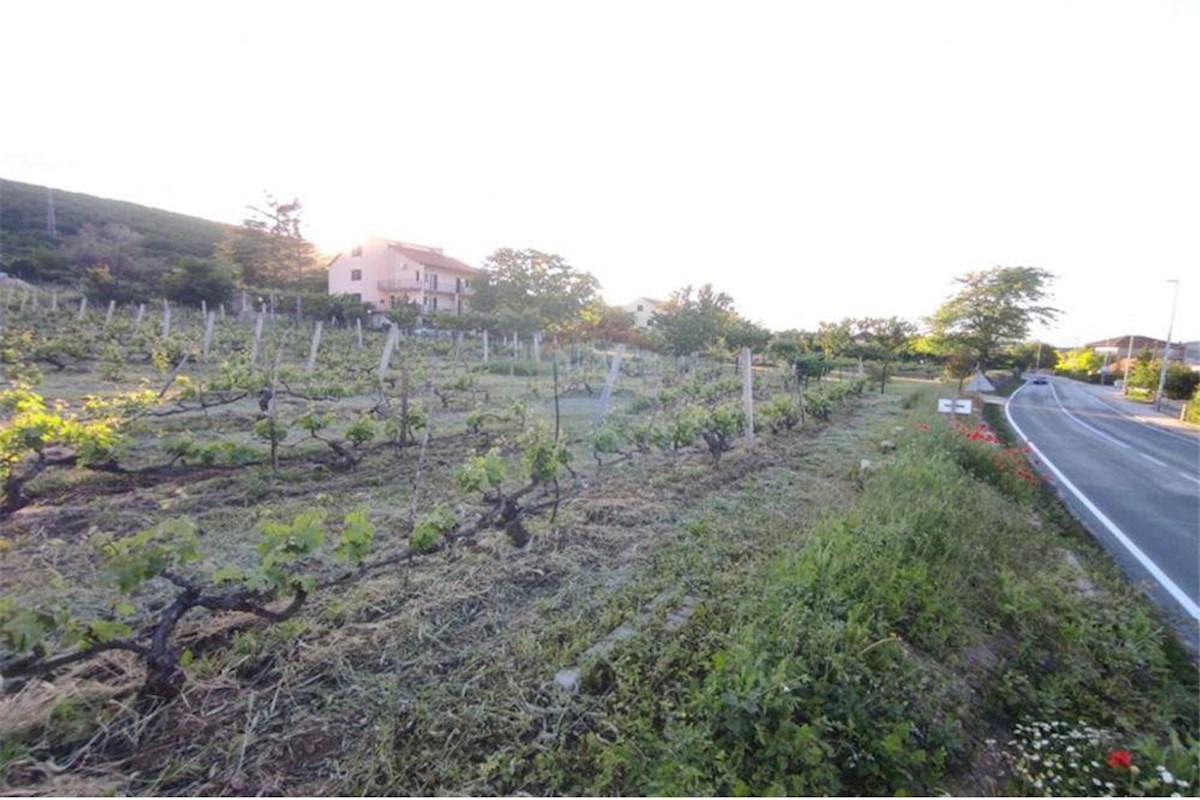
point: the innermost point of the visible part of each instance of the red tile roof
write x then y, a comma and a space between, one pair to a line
430, 258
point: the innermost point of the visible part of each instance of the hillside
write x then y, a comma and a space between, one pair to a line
166, 234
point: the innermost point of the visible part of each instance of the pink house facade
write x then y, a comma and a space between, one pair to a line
385, 273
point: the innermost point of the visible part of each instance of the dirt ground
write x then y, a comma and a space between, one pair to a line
435, 677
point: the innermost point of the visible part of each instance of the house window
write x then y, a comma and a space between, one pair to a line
356, 252
356, 274
434, 304
418, 274
639, 307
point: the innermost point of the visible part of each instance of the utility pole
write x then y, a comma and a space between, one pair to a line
51, 221
1128, 360
1162, 374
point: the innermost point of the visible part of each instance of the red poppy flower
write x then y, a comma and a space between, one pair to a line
1120, 759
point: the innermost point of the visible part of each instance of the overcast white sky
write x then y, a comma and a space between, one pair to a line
813, 159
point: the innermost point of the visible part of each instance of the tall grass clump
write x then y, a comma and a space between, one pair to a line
908, 630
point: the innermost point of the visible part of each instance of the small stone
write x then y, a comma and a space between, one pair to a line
864, 465
887, 445
568, 679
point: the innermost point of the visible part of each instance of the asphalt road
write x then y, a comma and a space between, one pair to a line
1134, 486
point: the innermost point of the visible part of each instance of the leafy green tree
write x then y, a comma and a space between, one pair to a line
836, 338
598, 321
885, 340
100, 286
742, 332
117, 247
213, 280
42, 265
530, 281
694, 320
994, 308
405, 313
789, 345
1080, 361
1033, 355
269, 246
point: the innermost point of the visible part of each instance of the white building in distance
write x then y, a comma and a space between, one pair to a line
642, 309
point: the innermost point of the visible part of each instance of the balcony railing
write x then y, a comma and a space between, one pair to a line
448, 288
411, 285
404, 285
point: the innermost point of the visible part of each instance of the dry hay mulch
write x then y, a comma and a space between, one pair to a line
439, 646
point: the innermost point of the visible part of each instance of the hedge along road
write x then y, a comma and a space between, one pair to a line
1136, 488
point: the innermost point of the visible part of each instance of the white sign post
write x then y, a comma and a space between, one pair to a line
950, 405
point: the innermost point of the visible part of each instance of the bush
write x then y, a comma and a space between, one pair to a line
1191, 412
1181, 382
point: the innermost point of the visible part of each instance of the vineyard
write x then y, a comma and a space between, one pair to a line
254, 552
167, 472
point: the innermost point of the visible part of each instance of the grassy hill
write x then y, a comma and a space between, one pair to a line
166, 234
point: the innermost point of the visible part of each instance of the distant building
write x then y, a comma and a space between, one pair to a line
385, 273
1118, 347
642, 309
1191, 354
1120, 344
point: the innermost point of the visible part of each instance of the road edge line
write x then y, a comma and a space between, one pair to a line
1165, 582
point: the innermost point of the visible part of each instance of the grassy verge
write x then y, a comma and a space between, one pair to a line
942, 633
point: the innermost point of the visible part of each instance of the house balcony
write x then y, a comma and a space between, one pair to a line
401, 285
450, 289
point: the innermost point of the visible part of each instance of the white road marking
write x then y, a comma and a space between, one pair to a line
1083, 424
1155, 460
1165, 582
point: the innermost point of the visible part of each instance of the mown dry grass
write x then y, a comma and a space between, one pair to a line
436, 678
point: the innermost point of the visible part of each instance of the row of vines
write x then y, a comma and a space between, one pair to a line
91, 393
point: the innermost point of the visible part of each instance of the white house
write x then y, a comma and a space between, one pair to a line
642, 309
386, 273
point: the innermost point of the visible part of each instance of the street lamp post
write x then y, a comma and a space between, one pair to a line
1128, 358
1162, 373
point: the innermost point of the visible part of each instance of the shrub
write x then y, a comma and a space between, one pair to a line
1181, 382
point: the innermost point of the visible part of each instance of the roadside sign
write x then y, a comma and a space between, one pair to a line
950, 405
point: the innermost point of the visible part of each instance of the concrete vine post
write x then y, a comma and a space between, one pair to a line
137, 319
209, 319
166, 319
82, 309
108, 315
314, 347
257, 343
748, 393
385, 359
606, 394
358, 331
